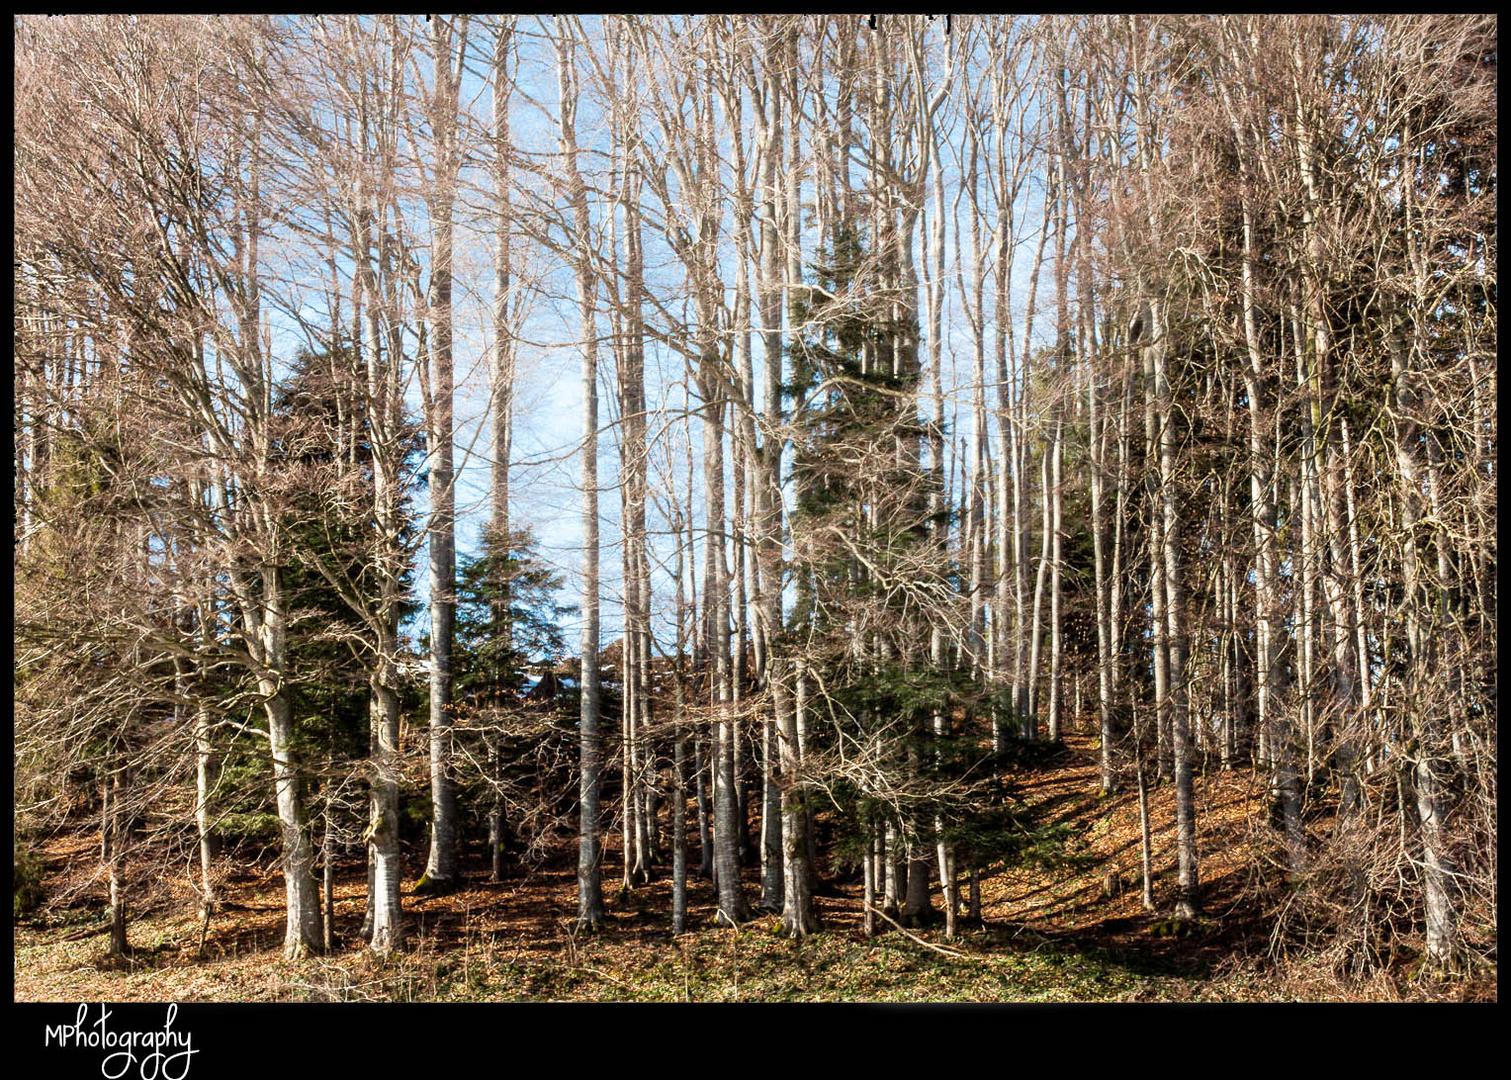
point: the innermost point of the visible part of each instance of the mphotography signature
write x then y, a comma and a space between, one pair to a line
159, 1054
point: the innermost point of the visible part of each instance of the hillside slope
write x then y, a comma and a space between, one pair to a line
1069, 928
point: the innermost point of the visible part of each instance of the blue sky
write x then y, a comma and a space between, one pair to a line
548, 397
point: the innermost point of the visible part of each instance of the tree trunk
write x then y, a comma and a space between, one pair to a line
113, 832
1056, 646
1188, 900
679, 750
501, 395
303, 930
797, 909
589, 887
441, 872
383, 826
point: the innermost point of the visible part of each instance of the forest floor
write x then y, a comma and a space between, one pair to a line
1054, 930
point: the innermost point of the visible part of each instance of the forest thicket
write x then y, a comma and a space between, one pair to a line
921, 391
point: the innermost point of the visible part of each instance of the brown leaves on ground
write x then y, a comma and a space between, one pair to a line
1051, 932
